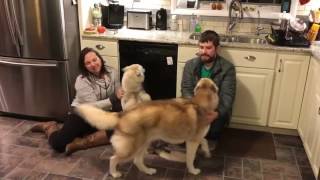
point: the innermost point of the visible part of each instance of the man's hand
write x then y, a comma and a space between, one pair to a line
211, 116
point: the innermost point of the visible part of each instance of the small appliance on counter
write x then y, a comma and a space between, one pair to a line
139, 19
161, 19
112, 16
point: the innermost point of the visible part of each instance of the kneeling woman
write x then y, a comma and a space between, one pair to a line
97, 85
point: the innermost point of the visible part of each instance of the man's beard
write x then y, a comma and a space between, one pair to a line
207, 60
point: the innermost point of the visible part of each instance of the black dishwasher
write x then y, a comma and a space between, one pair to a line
160, 62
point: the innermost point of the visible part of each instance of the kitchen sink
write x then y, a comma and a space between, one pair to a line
243, 39
195, 36
235, 39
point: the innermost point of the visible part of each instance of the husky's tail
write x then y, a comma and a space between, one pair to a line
97, 117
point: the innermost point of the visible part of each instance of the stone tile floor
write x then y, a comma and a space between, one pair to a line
26, 155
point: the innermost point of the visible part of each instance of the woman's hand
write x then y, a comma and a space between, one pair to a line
119, 93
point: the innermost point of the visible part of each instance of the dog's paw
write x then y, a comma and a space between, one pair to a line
195, 171
116, 174
150, 171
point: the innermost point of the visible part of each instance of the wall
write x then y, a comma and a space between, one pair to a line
146, 4
305, 9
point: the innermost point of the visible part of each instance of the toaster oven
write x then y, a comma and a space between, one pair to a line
139, 19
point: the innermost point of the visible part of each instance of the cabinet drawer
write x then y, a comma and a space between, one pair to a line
105, 48
245, 58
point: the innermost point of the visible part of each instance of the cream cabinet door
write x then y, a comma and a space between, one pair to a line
179, 78
309, 122
315, 148
253, 94
291, 72
186, 52
112, 61
255, 72
308, 100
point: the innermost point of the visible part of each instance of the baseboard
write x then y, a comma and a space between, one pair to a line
272, 130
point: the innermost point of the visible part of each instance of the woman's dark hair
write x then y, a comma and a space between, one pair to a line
82, 67
211, 36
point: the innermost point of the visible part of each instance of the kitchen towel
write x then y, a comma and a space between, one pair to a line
246, 143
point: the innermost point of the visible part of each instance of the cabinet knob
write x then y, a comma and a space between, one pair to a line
250, 58
100, 47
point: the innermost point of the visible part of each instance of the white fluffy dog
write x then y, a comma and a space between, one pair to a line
132, 84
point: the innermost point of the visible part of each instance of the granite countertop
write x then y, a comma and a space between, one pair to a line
181, 38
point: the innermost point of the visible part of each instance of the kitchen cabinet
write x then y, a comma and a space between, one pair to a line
185, 53
290, 77
108, 49
309, 122
252, 96
254, 71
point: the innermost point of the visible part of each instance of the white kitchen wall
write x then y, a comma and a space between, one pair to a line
216, 23
305, 9
146, 4
84, 9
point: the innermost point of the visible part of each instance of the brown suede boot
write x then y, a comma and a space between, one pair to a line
95, 139
47, 127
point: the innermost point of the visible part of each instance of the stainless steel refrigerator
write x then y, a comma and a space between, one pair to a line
39, 49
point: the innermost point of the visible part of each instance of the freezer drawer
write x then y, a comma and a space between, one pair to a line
34, 87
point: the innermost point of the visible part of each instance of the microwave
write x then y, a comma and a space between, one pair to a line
139, 19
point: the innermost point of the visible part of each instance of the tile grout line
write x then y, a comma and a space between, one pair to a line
11, 129
296, 161
261, 169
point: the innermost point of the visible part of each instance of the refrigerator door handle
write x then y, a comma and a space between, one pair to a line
26, 63
15, 21
11, 30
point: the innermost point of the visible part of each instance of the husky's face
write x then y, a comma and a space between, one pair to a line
206, 83
206, 94
135, 72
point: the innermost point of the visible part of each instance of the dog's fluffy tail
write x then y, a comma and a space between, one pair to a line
97, 117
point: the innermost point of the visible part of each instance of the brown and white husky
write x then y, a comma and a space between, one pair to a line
173, 121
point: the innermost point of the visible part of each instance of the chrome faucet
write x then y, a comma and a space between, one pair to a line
234, 17
259, 27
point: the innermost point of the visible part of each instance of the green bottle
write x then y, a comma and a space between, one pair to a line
197, 28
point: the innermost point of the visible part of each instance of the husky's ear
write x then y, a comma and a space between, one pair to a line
140, 71
214, 88
125, 68
195, 90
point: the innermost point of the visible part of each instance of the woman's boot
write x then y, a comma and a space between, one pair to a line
95, 139
47, 127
